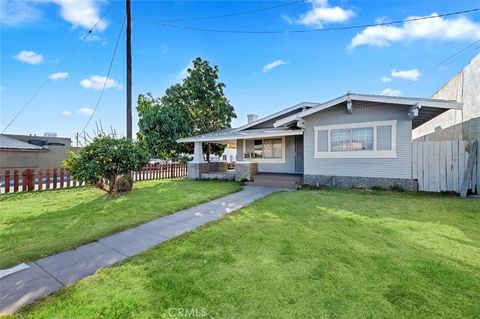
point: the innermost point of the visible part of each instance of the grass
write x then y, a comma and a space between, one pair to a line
306, 254
38, 224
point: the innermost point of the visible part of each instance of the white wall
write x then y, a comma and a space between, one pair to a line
453, 125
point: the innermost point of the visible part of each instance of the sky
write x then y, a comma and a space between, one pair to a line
263, 73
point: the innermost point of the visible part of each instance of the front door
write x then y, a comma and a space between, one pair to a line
299, 154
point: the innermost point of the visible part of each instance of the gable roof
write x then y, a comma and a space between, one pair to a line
303, 105
8, 143
424, 102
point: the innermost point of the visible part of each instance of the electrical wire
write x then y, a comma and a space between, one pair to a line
62, 63
107, 77
234, 14
360, 26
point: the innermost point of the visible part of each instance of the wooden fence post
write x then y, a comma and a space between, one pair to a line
47, 178
68, 179
31, 180
25, 180
7, 181
40, 179
55, 178
15, 181
62, 177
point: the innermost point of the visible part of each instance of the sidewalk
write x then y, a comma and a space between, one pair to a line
52, 273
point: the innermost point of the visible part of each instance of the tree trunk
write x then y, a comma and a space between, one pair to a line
111, 186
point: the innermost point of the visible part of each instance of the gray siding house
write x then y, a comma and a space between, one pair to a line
355, 140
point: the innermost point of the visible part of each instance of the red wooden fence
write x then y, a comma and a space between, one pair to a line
32, 179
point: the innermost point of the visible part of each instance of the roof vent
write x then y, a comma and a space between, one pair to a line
252, 118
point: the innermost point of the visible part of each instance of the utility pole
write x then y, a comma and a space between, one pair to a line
129, 70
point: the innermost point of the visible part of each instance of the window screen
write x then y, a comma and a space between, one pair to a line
384, 138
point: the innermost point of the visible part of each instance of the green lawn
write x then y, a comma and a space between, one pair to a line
306, 254
38, 224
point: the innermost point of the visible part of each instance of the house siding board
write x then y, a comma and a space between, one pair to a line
287, 167
400, 167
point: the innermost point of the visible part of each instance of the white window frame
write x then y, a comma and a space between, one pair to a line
265, 160
359, 153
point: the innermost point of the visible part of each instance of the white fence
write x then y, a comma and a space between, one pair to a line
440, 166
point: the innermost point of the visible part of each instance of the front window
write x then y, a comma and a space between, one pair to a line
265, 148
352, 139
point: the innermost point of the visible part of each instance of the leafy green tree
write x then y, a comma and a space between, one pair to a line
104, 160
196, 106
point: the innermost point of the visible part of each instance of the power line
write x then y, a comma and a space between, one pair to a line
57, 68
360, 26
234, 14
440, 63
107, 77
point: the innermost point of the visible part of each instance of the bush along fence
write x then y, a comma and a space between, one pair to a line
33, 179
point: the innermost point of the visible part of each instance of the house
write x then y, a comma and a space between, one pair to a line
32, 151
18, 154
354, 140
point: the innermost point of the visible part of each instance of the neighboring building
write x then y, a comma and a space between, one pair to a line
32, 151
354, 140
464, 124
229, 155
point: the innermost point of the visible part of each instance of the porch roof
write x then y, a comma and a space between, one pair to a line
231, 135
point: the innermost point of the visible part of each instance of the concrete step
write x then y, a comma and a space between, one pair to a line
274, 183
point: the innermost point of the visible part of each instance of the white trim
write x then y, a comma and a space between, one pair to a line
442, 104
242, 135
357, 154
264, 160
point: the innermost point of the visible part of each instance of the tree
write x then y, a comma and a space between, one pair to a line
104, 161
196, 106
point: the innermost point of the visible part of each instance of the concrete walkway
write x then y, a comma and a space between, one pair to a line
49, 274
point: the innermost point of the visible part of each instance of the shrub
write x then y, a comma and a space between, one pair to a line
377, 188
102, 162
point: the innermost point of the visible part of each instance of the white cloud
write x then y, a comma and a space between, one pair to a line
273, 65
58, 76
80, 13
85, 111
412, 75
96, 82
391, 92
437, 28
17, 12
67, 113
385, 79
29, 57
321, 13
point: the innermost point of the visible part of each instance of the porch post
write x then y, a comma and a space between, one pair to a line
198, 153
198, 165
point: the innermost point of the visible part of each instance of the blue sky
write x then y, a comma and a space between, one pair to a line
263, 72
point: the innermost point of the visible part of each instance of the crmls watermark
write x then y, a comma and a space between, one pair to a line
187, 312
